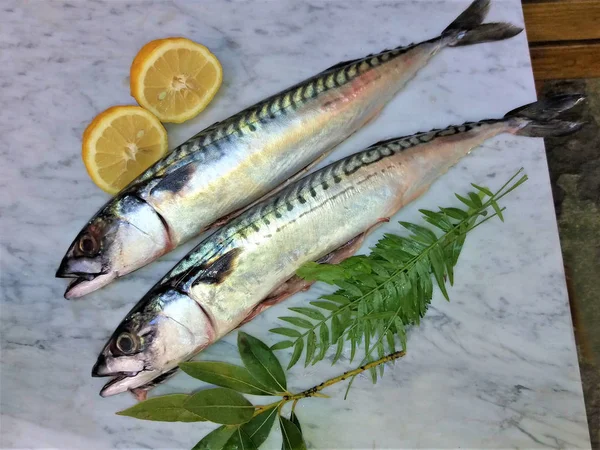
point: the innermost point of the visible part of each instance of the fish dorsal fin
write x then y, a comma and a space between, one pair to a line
217, 269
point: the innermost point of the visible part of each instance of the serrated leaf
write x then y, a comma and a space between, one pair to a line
352, 347
298, 347
216, 439
259, 427
311, 313
391, 342
327, 273
240, 440
475, 199
466, 201
438, 266
311, 341
292, 436
336, 328
338, 351
166, 408
379, 269
455, 213
282, 345
337, 298
220, 405
261, 362
225, 375
323, 342
497, 210
298, 321
325, 305
485, 190
424, 234
350, 288
289, 332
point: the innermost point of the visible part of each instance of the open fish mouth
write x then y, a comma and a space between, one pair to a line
84, 283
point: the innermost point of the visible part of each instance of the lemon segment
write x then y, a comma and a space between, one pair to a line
175, 78
121, 143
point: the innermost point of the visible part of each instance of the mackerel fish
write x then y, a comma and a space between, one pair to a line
213, 176
249, 264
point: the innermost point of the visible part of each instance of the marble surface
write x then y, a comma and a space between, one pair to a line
495, 368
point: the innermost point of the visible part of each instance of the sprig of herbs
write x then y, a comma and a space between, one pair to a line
378, 296
382, 293
243, 425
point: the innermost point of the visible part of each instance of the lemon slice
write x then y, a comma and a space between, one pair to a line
120, 144
175, 78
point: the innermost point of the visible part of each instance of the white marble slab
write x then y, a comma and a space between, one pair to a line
495, 368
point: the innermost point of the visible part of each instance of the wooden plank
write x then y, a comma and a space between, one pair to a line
565, 61
563, 20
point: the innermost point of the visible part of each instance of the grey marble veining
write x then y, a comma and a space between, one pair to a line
495, 368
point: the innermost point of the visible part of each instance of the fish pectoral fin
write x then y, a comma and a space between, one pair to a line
297, 284
176, 180
217, 269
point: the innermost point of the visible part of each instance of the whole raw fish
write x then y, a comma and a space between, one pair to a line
249, 264
211, 177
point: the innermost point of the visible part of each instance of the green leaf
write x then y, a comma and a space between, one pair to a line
298, 347
338, 350
295, 421
325, 305
281, 345
485, 190
292, 436
225, 375
475, 199
220, 405
336, 328
455, 213
323, 341
390, 341
497, 210
311, 341
337, 298
309, 312
350, 288
423, 234
166, 408
289, 332
438, 266
466, 201
298, 321
261, 362
216, 439
327, 273
240, 440
259, 427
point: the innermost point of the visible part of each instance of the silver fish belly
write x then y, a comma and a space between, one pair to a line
231, 164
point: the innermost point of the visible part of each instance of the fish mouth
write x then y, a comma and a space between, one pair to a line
109, 387
86, 283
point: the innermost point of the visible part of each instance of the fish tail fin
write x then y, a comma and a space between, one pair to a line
469, 29
540, 119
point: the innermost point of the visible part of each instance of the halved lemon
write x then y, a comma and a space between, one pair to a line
120, 143
175, 78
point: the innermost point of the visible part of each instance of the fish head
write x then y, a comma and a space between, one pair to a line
167, 327
124, 236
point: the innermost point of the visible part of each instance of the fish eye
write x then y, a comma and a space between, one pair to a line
126, 343
88, 245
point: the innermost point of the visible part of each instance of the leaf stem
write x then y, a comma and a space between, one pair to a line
315, 390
